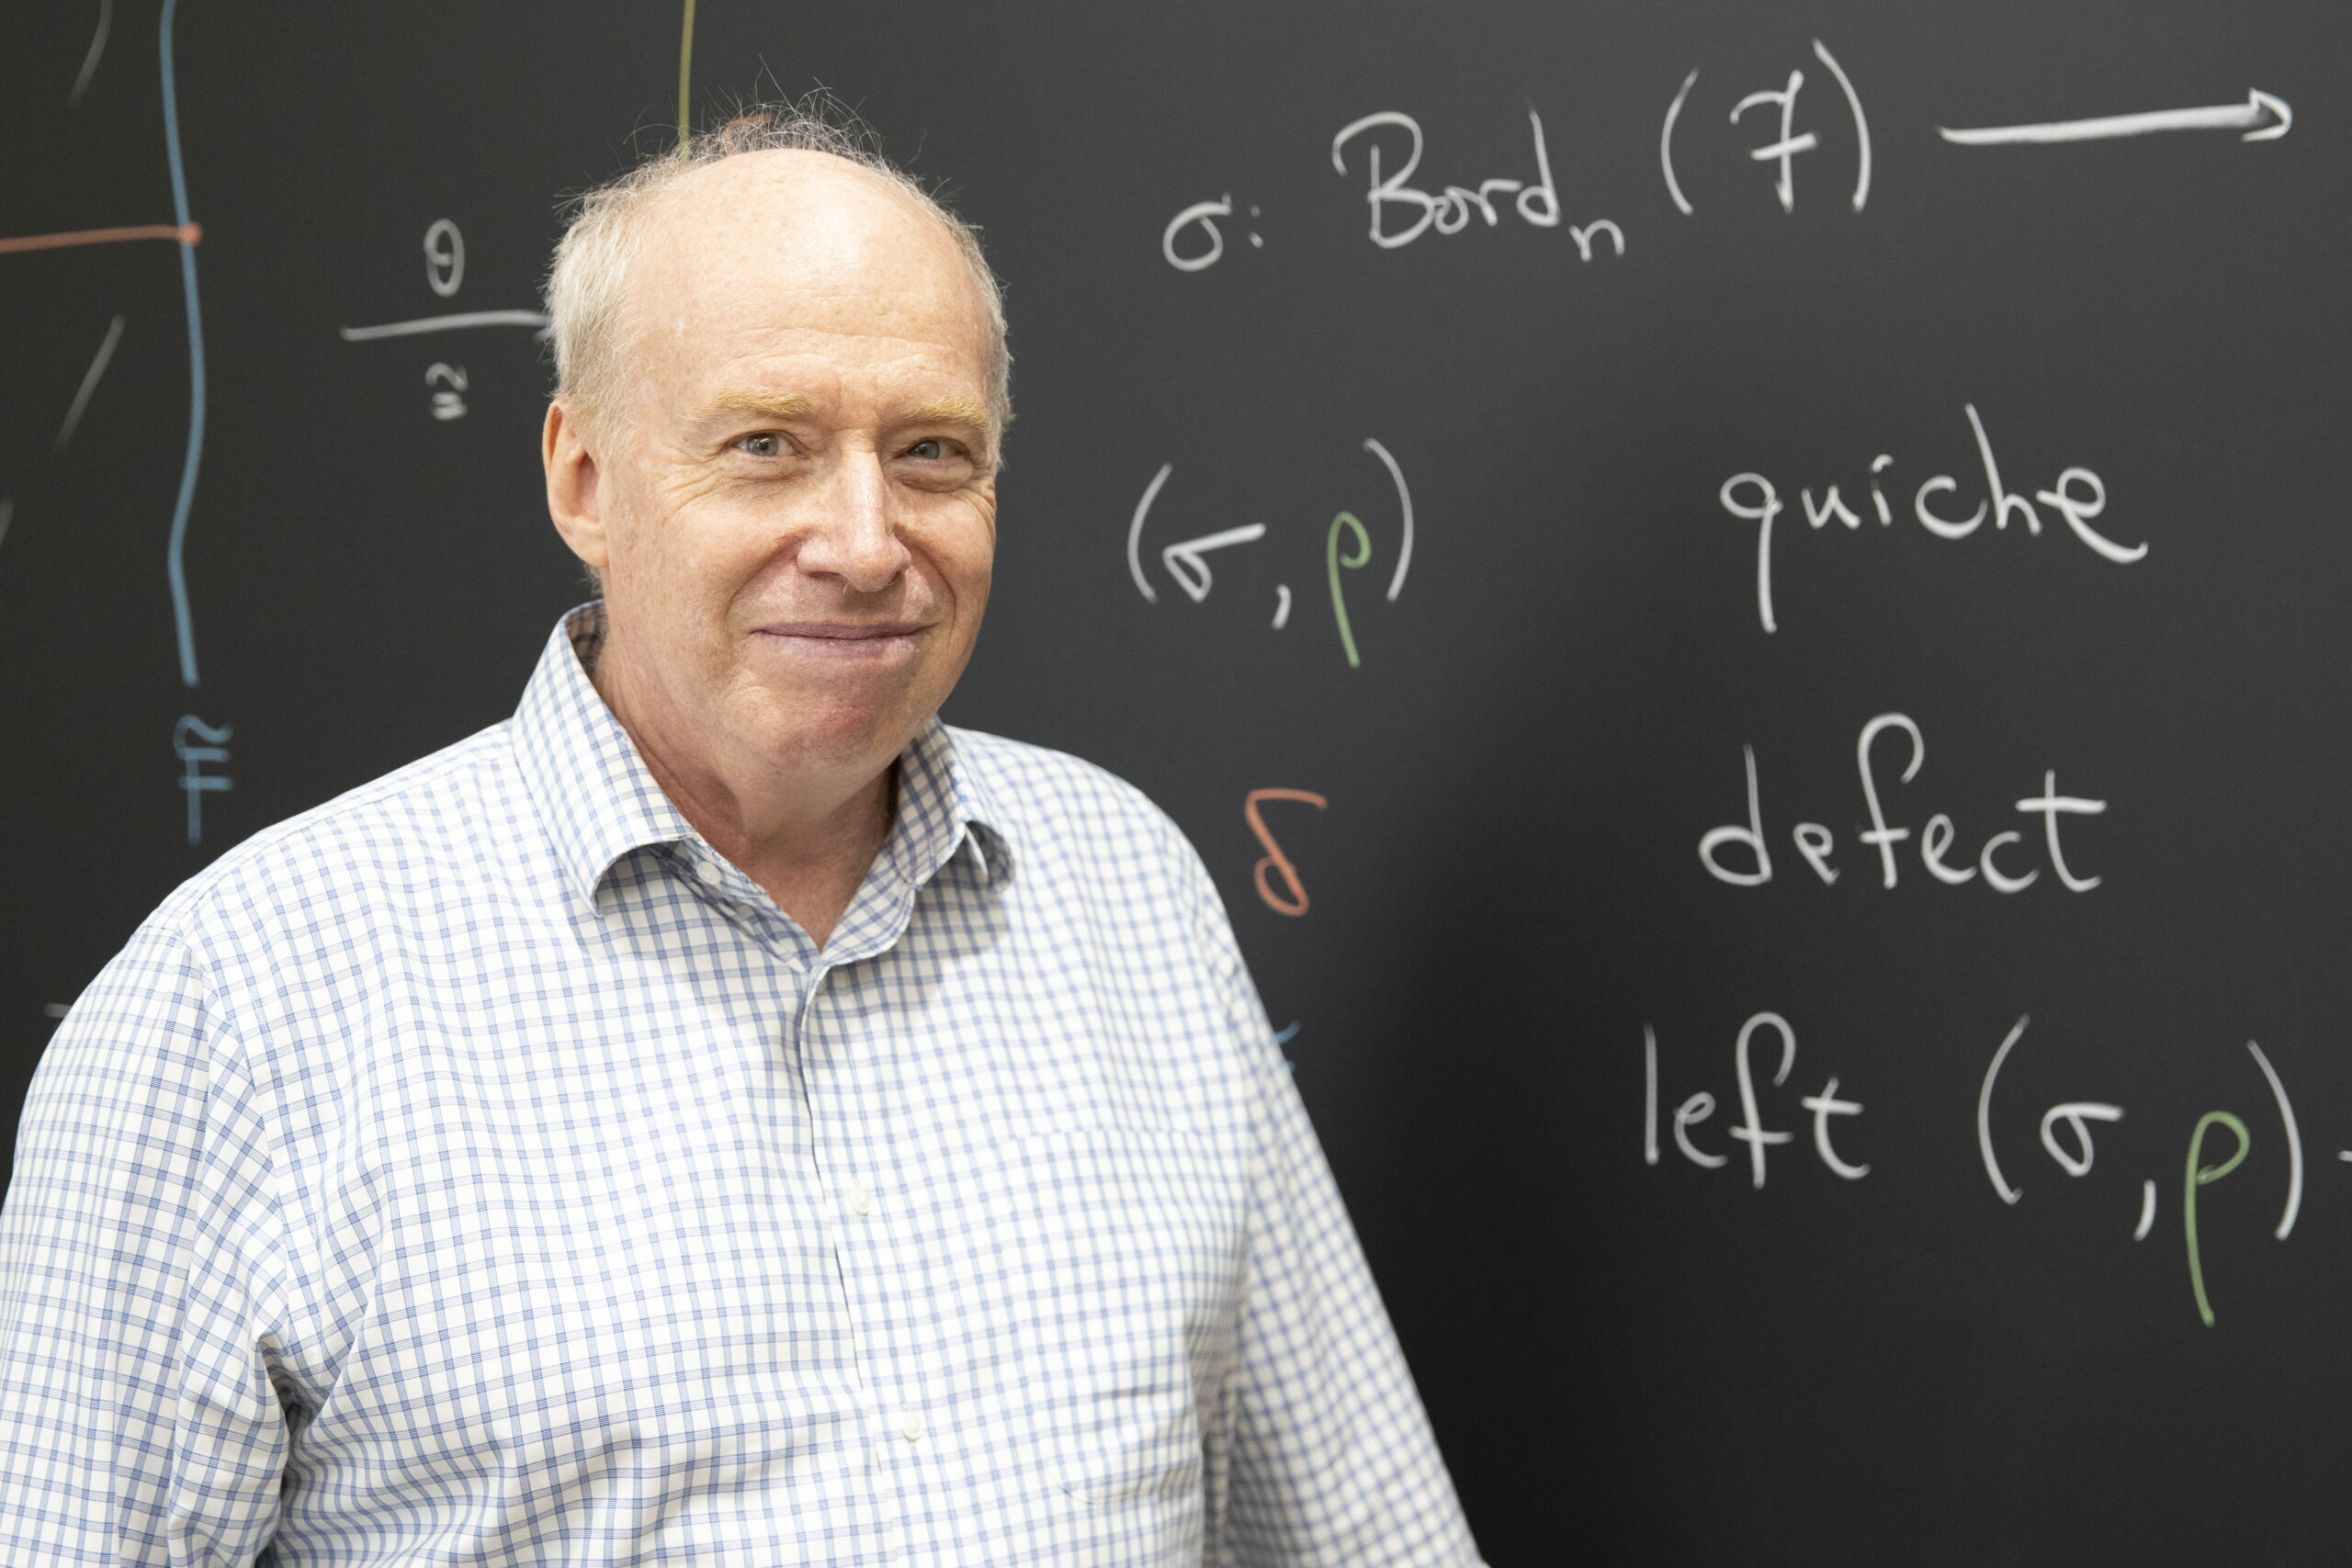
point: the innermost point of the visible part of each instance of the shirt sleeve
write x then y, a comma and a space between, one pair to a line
138, 1421
1331, 1456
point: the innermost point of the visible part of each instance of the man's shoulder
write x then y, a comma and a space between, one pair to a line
409, 821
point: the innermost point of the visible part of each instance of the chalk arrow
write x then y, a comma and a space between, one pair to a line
2248, 117
1187, 564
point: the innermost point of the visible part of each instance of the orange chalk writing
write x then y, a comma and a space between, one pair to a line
1275, 862
186, 233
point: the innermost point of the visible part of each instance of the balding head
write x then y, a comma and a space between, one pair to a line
760, 177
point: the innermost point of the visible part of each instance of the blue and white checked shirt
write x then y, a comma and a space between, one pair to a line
479, 1168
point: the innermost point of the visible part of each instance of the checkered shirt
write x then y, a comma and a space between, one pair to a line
480, 1169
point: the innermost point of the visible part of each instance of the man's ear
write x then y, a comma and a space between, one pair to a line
575, 496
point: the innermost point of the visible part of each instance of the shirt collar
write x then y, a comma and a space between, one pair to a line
597, 797
944, 808
600, 801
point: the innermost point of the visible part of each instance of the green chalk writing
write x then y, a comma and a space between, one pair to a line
2205, 1176
1334, 561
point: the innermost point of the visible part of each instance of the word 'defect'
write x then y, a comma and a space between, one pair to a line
1741, 853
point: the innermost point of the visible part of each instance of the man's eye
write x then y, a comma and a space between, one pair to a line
766, 445
929, 451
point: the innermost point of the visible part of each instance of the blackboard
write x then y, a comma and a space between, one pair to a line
1456, 803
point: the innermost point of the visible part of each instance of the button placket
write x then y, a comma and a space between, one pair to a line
899, 1432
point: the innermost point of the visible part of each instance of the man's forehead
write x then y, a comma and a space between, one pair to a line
803, 239
805, 201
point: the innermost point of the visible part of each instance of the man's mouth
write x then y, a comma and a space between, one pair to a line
842, 639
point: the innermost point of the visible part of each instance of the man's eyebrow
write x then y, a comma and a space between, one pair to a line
948, 410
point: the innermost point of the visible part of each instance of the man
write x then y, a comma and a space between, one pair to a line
720, 1114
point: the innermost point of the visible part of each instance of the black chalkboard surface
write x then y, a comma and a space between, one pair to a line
1747, 602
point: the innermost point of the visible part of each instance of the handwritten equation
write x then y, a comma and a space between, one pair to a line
1385, 150
1187, 564
445, 275
2066, 1130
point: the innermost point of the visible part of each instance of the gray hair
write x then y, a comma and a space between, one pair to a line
587, 282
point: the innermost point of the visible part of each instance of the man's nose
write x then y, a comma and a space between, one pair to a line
852, 539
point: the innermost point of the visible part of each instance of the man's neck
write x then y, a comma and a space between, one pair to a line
809, 842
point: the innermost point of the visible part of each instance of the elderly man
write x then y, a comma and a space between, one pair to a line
720, 1114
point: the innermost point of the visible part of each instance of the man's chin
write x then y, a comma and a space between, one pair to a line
833, 732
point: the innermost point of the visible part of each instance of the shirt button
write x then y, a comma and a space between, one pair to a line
910, 1427
861, 1201
709, 872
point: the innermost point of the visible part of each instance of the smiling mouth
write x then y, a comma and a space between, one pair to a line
837, 640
